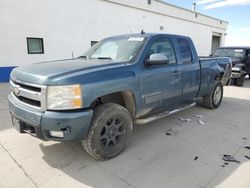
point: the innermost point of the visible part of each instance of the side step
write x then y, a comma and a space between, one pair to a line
162, 115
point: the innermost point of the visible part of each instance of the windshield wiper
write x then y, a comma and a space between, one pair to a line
83, 56
103, 58
109, 58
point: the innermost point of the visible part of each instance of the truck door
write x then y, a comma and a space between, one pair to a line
190, 70
161, 84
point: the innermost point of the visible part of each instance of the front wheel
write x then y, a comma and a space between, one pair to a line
213, 100
110, 131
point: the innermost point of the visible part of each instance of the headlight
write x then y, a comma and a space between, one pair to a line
64, 97
235, 69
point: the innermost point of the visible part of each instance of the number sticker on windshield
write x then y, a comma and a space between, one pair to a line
139, 39
238, 50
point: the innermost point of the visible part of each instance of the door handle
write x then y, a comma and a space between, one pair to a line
176, 73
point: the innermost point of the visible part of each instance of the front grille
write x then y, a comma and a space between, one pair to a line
29, 94
31, 88
30, 101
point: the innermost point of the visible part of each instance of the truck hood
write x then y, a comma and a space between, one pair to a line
52, 72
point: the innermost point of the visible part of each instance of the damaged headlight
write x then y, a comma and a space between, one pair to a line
64, 97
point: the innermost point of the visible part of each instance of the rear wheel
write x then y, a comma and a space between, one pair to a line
109, 133
213, 100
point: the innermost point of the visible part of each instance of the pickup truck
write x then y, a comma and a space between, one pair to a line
240, 61
121, 81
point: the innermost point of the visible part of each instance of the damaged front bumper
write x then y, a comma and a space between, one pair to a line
50, 125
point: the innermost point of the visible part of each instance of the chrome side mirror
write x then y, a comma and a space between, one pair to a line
157, 59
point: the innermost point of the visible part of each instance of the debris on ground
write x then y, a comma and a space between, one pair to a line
247, 147
200, 122
182, 121
168, 132
199, 119
247, 157
225, 163
171, 132
244, 138
229, 158
199, 116
195, 158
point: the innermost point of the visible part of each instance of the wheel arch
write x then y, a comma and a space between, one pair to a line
124, 98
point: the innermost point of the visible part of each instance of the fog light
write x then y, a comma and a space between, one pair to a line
58, 134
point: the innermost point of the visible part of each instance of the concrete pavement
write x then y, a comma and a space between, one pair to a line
190, 157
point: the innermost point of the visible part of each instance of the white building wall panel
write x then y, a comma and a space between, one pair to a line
68, 26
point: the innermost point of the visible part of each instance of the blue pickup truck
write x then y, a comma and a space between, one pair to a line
122, 80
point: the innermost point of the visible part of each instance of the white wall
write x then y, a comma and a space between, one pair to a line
68, 26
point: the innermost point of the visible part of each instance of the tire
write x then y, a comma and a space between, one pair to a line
110, 131
239, 81
213, 100
233, 81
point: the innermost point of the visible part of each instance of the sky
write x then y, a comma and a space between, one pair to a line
236, 12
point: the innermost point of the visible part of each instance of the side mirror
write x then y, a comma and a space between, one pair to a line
157, 59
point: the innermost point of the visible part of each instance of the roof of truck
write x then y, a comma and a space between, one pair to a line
145, 35
244, 47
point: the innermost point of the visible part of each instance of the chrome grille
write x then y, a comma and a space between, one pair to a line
29, 94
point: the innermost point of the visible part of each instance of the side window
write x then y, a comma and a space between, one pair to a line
164, 46
185, 51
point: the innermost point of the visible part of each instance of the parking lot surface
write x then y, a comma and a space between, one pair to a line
189, 155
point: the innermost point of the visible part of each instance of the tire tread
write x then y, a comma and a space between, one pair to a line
99, 113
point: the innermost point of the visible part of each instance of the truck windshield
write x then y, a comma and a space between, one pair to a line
122, 49
229, 52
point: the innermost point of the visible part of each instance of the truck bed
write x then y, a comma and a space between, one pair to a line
210, 67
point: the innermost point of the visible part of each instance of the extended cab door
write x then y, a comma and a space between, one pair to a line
161, 84
190, 64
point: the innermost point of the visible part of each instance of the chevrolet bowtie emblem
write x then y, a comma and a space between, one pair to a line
16, 90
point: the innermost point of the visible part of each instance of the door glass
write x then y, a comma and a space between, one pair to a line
163, 46
185, 51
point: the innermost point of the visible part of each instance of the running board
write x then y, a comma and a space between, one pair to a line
162, 115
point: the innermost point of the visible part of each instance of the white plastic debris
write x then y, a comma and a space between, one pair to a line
199, 119
201, 122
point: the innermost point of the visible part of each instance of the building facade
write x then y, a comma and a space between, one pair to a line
41, 30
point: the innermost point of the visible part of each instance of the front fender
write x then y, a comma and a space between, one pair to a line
95, 90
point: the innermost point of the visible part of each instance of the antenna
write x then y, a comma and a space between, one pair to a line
194, 7
142, 32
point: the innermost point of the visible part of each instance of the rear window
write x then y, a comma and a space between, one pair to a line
229, 52
185, 51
